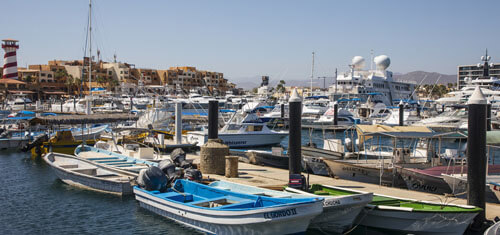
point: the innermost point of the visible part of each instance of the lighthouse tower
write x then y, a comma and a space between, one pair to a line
10, 47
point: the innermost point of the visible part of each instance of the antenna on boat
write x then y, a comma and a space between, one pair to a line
335, 93
312, 73
90, 58
371, 59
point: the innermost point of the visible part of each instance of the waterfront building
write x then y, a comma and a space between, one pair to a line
482, 71
188, 78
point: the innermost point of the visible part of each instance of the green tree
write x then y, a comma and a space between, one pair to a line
281, 86
70, 83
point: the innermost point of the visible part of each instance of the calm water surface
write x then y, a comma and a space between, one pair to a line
35, 201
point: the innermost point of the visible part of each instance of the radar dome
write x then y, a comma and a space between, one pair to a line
382, 62
358, 62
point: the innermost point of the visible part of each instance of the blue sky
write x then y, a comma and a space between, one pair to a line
246, 39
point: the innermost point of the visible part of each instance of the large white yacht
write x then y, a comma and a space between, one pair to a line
243, 130
489, 86
362, 83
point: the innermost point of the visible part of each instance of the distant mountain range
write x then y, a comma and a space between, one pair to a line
417, 76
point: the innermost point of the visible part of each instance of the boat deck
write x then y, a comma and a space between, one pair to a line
268, 176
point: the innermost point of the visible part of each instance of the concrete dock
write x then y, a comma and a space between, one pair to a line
268, 176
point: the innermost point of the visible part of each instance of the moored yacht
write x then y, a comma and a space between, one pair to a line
361, 83
248, 131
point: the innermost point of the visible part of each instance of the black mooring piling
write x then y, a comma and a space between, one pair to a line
401, 113
476, 154
335, 113
488, 117
295, 138
213, 119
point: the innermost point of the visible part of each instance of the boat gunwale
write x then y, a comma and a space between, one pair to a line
467, 208
125, 183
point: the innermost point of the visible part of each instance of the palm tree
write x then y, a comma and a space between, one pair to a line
281, 86
70, 82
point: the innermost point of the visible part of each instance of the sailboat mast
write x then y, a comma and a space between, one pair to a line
312, 73
90, 48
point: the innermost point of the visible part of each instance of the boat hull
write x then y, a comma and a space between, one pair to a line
416, 222
240, 140
339, 213
348, 171
459, 188
88, 182
423, 182
258, 221
315, 165
12, 143
268, 159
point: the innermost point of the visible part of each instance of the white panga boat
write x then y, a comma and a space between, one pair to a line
86, 174
339, 212
458, 185
408, 216
247, 132
218, 211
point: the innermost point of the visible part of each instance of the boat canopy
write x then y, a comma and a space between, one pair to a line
406, 101
315, 97
347, 100
493, 138
402, 132
20, 118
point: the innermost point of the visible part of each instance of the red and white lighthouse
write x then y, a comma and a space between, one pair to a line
10, 47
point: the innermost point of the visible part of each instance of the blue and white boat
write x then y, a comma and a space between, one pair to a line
217, 211
339, 212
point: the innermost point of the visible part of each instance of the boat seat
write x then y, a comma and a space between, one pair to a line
100, 158
106, 175
67, 166
87, 171
183, 198
225, 202
109, 160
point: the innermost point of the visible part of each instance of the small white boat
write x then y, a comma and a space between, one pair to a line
89, 175
339, 212
218, 211
408, 216
458, 185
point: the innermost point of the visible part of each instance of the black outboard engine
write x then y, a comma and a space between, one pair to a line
178, 157
193, 175
152, 179
169, 169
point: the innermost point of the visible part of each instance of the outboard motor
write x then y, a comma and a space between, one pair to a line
36, 143
152, 179
193, 175
178, 157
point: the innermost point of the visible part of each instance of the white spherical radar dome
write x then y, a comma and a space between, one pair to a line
358, 62
382, 62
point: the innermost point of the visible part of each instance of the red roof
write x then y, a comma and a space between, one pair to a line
17, 92
11, 81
